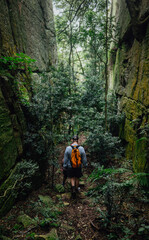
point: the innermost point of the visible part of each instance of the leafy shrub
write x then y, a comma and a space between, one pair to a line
103, 146
18, 62
25, 172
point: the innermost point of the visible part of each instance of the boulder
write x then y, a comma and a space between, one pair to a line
66, 204
26, 221
46, 200
66, 196
52, 235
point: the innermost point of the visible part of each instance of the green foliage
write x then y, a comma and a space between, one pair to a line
102, 172
25, 172
47, 212
128, 233
18, 69
30, 236
103, 146
18, 62
116, 188
139, 179
82, 48
112, 236
134, 179
143, 230
17, 228
50, 217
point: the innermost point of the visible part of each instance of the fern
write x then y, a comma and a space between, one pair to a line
102, 172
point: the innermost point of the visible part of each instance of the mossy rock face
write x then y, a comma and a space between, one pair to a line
16, 23
8, 149
7, 199
140, 159
12, 124
128, 74
26, 221
21, 20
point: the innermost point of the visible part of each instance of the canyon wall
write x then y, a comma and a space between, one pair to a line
129, 76
25, 26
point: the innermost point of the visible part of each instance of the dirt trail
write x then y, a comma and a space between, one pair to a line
75, 221
51, 214
81, 212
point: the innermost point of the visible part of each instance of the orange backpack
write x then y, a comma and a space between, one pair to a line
75, 157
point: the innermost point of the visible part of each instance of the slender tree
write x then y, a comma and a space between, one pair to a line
106, 64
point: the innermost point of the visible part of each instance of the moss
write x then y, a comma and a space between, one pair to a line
46, 200
7, 201
12, 123
52, 235
116, 71
26, 221
129, 133
140, 158
7, 205
5, 121
130, 82
8, 156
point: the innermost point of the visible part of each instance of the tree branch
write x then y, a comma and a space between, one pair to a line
73, 17
80, 62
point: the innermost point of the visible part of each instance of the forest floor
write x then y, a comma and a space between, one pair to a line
52, 214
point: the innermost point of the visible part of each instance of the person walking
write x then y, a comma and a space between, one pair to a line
74, 158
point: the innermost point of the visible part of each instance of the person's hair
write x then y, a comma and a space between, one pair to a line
75, 138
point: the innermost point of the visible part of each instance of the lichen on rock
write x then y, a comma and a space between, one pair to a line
129, 77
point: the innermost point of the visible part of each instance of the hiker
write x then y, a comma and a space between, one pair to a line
74, 158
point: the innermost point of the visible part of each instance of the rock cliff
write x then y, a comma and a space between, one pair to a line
129, 76
25, 26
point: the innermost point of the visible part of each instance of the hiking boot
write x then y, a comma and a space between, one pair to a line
78, 190
74, 195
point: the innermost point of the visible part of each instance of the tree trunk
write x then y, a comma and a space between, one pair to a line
106, 66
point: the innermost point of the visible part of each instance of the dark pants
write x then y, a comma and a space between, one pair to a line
74, 172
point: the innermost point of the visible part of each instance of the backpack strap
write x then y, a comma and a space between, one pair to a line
75, 146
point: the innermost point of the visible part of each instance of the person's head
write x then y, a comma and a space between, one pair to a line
75, 138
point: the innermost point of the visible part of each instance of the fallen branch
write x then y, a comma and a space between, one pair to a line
93, 225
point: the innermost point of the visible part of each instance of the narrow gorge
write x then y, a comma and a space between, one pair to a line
74, 68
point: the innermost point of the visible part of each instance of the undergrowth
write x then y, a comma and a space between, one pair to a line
121, 192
